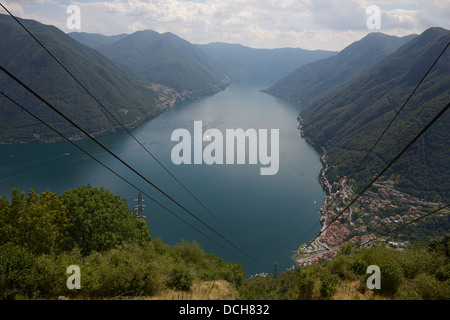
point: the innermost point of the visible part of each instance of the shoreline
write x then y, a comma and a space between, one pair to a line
367, 220
315, 248
326, 246
167, 99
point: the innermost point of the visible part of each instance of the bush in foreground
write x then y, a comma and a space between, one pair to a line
94, 230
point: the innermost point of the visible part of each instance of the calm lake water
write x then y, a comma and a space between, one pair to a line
270, 215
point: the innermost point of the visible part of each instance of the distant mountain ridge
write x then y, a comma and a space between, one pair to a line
263, 65
135, 76
315, 79
172, 61
169, 60
95, 40
349, 119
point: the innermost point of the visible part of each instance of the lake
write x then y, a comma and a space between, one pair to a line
270, 215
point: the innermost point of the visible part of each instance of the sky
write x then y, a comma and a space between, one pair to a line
307, 24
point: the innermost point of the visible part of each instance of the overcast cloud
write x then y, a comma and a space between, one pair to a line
319, 24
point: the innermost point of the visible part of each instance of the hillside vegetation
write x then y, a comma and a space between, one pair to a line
169, 60
348, 120
127, 95
315, 79
419, 273
42, 235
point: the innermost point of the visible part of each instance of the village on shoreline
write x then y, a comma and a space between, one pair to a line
377, 209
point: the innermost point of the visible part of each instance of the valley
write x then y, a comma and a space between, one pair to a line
335, 120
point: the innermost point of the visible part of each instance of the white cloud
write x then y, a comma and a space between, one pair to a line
339, 15
406, 19
13, 7
310, 24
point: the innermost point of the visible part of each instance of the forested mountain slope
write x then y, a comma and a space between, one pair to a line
127, 95
169, 60
313, 80
348, 120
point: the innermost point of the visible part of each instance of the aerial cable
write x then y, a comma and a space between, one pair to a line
398, 112
388, 232
388, 166
390, 123
403, 225
111, 170
119, 159
377, 141
384, 170
123, 126
304, 238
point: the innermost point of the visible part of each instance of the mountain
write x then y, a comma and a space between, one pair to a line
263, 65
127, 95
95, 40
313, 80
348, 120
169, 60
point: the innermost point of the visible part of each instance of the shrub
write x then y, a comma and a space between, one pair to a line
377, 256
328, 285
308, 277
424, 287
347, 249
50, 273
358, 267
126, 270
407, 291
441, 245
181, 278
233, 273
189, 252
443, 274
16, 276
36, 222
391, 278
342, 267
419, 260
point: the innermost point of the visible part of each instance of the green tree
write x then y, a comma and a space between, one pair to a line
181, 278
129, 269
36, 222
16, 266
424, 287
441, 245
100, 220
328, 285
346, 249
391, 278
